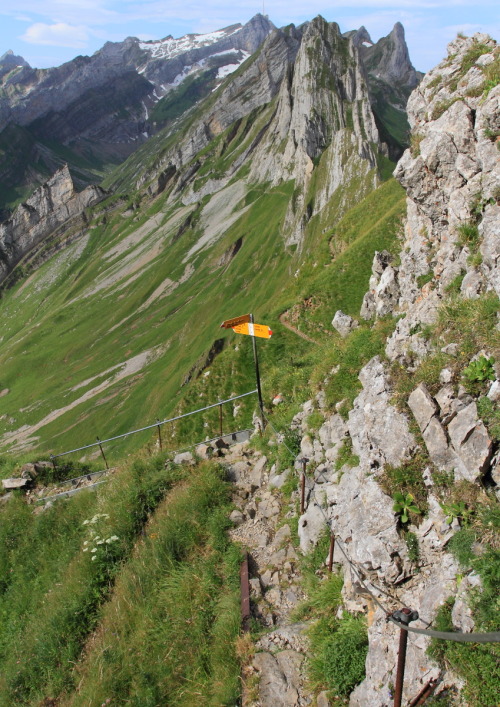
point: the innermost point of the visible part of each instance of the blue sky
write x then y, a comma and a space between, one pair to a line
50, 32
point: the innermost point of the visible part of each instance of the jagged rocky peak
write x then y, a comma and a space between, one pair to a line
324, 93
9, 59
359, 36
389, 59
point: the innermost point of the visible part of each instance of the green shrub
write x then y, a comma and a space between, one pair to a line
468, 235
345, 456
480, 370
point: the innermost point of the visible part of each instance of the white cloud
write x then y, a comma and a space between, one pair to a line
59, 34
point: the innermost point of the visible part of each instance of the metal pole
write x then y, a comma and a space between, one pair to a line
245, 594
102, 452
303, 487
220, 419
403, 616
159, 435
330, 556
53, 460
257, 375
422, 696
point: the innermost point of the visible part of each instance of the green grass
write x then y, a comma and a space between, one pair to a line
171, 576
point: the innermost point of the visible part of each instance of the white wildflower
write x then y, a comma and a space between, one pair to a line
94, 558
94, 549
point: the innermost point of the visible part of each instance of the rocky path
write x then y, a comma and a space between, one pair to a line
275, 677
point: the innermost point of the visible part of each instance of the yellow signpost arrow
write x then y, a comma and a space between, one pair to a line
261, 330
245, 325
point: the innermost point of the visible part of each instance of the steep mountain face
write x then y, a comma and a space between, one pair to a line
120, 326
391, 79
101, 107
49, 208
319, 114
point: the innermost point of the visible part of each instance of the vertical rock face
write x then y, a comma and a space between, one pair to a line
323, 115
48, 208
452, 179
389, 59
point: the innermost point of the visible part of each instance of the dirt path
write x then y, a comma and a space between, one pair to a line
289, 326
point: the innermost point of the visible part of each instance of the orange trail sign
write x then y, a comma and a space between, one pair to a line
236, 321
261, 330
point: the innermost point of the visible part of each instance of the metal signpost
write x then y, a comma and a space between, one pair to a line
246, 325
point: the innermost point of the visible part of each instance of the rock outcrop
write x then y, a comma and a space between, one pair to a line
452, 182
51, 206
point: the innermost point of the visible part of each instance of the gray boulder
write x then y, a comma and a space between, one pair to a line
343, 323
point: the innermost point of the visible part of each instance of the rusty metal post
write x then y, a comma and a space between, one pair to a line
403, 616
245, 594
102, 452
422, 696
303, 487
330, 556
53, 460
220, 419
159, 434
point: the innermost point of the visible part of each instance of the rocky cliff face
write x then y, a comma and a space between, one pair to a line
453, 184
451, 174
52, 205
318, 113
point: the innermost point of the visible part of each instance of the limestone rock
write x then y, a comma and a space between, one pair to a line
422, 406
184, 458
10, 484
379, 433
343, 323
237, 517
471, 442
48, 208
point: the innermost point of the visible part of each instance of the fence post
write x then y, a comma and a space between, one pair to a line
403, 616
220, 419
245, 594
159, 434
53, 460
330, 556
303, 487
102, 452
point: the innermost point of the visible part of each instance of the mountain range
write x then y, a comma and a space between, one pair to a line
93, 112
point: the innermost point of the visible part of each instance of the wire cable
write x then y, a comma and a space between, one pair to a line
456, 636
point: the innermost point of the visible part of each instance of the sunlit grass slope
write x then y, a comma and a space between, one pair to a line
112, 332
145, 564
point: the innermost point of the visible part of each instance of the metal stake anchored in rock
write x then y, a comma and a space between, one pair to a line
402, 616
303, 487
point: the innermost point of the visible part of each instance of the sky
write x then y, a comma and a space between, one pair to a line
49, 32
